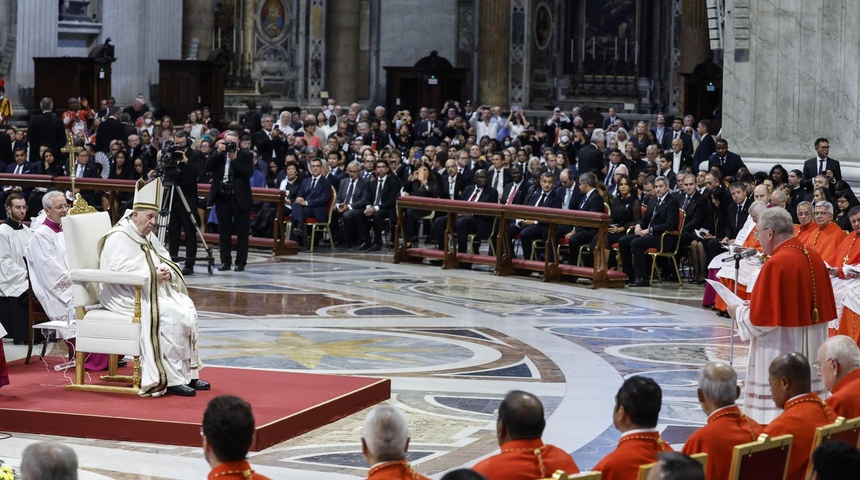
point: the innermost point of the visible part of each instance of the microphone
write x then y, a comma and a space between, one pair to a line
749, 252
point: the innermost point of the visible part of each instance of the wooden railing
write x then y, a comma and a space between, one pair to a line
278, 243
504, 261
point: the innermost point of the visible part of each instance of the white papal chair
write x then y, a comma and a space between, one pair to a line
99, 330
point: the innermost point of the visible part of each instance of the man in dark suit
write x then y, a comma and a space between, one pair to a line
452, 181
729, 162
351, 196
531, 230
336, 170
662, 215
190, 167
231, 196
686, 140
821, 164
45, 129
707, 146
479, 192
612, 118
695, 206
737, 217
270, 143
680, 161
86, 168
5, 150
517, 190
109, 130
586, 198
499, 175
662, 133
312, 201
590, 158
382, 204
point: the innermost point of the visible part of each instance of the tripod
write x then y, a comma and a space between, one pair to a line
169, 192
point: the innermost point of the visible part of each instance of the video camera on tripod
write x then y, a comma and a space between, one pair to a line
168, 167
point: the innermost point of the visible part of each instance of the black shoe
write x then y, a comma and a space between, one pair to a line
299, 233
224, 267
669, 278
240, 268
188, 271
198, 384
365, 246
19, 342
375, 247
121, 363
181, 390
639, 283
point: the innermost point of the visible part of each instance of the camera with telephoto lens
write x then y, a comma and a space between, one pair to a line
231, 146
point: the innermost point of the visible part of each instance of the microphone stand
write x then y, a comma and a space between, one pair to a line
732, 336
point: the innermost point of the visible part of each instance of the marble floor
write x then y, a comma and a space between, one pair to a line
452, 342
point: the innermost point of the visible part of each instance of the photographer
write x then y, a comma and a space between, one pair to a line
181, 166
230, 195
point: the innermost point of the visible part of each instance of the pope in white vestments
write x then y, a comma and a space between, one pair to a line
169, 361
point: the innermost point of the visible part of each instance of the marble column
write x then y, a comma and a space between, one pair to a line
493, 52
198, 22
342, 45
791, 75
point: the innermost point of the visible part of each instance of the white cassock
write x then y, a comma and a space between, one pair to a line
49, 273
168, 317
13, 270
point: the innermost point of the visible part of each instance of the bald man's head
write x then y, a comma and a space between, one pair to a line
520, 417
790, 376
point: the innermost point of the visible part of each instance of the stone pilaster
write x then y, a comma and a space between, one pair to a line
198, 22
493, 52
342, 45
155, 25
799, 78
36, 38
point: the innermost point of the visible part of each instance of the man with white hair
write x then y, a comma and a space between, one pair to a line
795, 322
838, 364
727, 425
168, 317
384, 442
49, 269
829, 234
49, 461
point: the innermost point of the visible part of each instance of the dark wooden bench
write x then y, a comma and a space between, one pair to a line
504, 261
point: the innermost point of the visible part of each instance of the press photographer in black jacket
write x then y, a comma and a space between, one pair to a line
183, 171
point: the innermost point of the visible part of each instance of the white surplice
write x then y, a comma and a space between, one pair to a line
49, 273
13, 270
766, 344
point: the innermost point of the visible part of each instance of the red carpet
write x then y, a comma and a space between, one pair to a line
285, 405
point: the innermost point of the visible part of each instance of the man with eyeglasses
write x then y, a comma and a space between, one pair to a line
312, 201
790, 322
806, 227
829, 234
49, 269
821, 164
14, 236
352, 196
838, 365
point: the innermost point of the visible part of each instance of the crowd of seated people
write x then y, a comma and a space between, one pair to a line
421, 151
